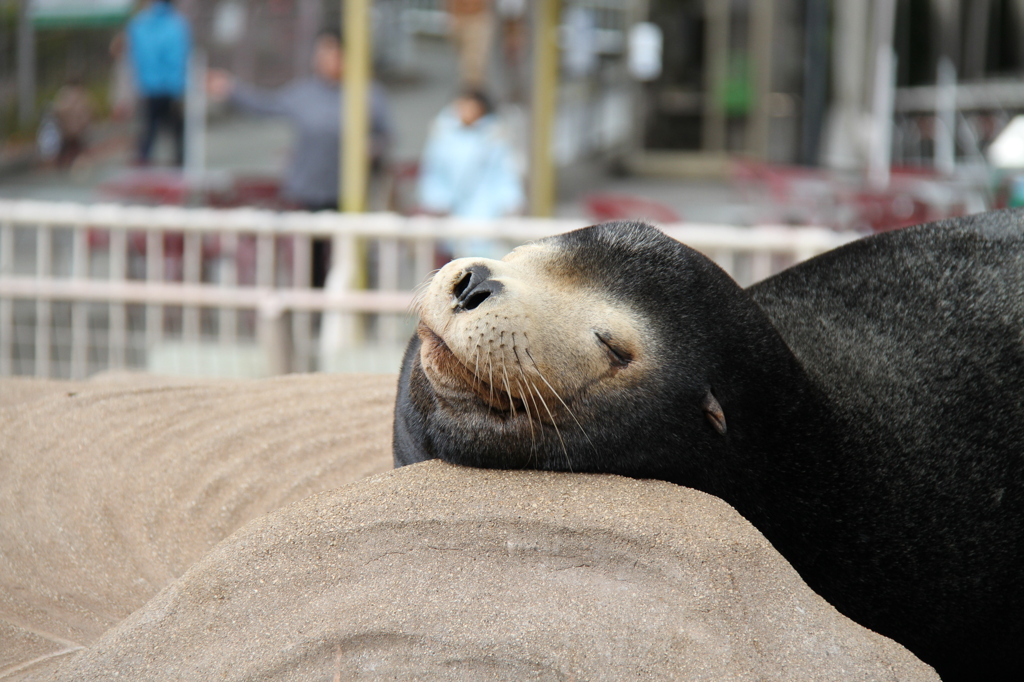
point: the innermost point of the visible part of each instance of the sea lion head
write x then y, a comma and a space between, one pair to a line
613, 348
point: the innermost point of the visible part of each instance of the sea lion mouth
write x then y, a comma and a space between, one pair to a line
445, 370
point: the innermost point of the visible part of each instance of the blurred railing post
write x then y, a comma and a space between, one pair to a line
44, 308
762, 18
117, 330
355, 121
716, 65
280, 307
883, 94
80, 309
274, 338
349, 253
543, 101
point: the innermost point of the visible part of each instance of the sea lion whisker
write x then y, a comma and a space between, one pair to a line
529, 417
479, 381
519, 362
565, 450
420, 291
529, 386
490, 376
533, 389
553, 391
508, 388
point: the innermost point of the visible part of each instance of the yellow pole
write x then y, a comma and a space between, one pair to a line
544, 99
355, 114
348, 253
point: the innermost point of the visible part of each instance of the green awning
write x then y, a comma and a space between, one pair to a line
79, 13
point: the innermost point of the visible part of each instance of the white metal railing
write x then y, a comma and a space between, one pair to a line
86, 288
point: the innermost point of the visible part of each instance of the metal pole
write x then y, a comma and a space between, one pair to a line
976, 43
638, 11
716, 60
762, 15
815, 80
543, 103
355, 114
883, 94
26, 65
949, 30
348, 255
849, 63
945, 117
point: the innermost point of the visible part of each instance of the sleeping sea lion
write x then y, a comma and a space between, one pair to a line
863, 409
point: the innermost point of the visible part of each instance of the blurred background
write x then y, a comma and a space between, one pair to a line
252, 187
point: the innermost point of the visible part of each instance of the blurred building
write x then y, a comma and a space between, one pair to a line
784, 81
798, 81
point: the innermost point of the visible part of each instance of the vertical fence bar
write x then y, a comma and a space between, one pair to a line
301, 272
191, 274
44, 307
388, 254
272, 336
344, 258
80, 309
227, 325
265, 260
117, 332
6, 304
155, 275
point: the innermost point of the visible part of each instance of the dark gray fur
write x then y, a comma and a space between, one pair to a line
875, 406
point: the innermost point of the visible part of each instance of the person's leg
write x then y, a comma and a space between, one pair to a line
320, 258
176, 119
150, 120
71, 149
321, 262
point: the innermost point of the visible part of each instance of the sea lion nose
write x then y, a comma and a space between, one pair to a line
473, 286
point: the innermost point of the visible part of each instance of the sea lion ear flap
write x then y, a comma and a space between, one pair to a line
713, 411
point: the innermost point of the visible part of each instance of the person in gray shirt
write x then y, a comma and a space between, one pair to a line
313, 106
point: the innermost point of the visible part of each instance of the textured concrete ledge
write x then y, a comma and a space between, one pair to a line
110, 489
135, 542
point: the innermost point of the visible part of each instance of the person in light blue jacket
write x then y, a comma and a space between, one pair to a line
468, 169
159, 41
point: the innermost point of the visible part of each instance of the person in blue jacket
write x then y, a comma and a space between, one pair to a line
468, 169
159, 41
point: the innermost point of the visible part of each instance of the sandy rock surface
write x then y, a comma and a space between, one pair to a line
166, 530
111, 489
440, 572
